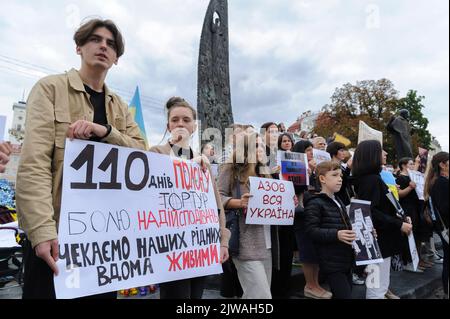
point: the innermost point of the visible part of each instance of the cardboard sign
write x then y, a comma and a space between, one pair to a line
131, 218
272, 202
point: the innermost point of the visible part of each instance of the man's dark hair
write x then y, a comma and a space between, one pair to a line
81, 36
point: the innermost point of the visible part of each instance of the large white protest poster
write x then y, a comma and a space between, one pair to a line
272, 202
368, 133
321, 156
366, 246
131, 218
418, 178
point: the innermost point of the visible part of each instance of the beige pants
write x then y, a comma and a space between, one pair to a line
255, 278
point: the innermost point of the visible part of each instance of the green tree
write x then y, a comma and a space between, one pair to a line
373, 102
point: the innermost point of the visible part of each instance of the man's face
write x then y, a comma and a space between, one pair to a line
99, 51
320, 144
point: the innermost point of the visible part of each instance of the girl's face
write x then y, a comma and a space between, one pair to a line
286, 144
261, 156
272, 136
309, 153
410, 165
181, 123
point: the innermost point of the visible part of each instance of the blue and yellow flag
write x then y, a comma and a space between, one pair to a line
136, 112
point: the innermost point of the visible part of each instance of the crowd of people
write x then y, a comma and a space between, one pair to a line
79, 105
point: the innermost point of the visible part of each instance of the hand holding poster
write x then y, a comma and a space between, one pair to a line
321, 156
131, 218
272, 202
419, 179
366, 246
294, 167
367, 133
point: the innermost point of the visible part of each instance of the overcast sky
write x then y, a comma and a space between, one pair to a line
286, 56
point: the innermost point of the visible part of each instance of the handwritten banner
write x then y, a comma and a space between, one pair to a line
294, 167
272, 202
131, 218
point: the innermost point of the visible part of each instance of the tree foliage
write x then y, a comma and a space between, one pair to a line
374, 102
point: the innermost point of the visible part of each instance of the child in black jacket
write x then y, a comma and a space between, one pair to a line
327, 223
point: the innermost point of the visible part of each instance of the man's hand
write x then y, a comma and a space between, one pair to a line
49, 252
84, 130
5, 151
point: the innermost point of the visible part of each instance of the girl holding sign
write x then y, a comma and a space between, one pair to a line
436, 189
258, 246
413, 208
181, 118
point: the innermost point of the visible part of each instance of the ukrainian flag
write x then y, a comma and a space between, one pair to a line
136, 112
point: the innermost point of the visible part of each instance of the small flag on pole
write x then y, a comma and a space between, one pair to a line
136, 112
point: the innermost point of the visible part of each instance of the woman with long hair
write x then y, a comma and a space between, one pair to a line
436, 189
258, 244
281, 278
390, 227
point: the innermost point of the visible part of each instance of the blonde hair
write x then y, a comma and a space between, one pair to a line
247, 169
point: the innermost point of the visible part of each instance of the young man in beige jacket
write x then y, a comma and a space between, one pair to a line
78, 105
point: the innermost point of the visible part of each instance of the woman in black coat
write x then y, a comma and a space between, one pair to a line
436, 189
390, 226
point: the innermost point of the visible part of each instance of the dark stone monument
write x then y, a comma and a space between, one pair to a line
213, 89
400, 128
